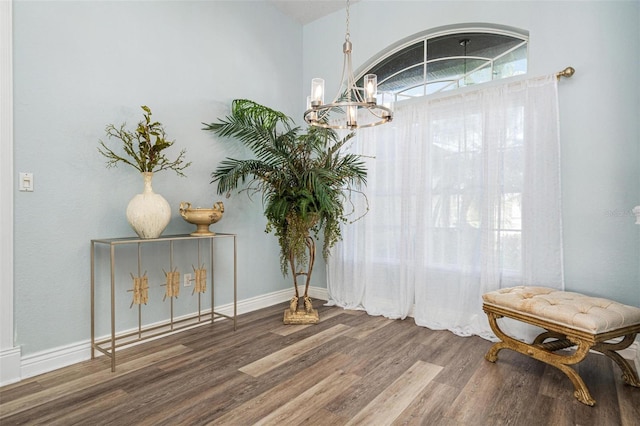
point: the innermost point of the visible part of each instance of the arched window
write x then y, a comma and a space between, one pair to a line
449, 58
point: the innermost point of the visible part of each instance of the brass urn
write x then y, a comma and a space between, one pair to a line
201, 217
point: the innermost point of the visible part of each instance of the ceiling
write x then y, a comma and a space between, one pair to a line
305, 11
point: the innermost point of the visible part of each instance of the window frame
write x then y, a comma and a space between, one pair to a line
424, 37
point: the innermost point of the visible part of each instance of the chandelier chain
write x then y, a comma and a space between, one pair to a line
347, 35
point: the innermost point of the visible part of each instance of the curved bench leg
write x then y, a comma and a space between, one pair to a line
492, 354
561, 362
609, 349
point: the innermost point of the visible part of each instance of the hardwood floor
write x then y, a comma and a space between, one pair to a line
350, 368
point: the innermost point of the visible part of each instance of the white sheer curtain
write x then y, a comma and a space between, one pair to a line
464, 197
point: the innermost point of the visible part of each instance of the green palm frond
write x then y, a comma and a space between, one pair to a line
303, 177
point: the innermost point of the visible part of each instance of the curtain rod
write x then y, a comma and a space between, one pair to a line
567, 72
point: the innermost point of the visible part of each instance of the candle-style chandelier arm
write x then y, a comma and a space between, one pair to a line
382, 113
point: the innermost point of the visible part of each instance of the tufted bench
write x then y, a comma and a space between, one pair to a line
570, 319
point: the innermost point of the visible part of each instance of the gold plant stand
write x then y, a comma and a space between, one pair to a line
301, 317
305, 314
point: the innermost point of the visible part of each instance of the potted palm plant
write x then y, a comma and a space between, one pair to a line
305, 179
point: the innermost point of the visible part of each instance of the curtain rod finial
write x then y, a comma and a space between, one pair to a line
567, 72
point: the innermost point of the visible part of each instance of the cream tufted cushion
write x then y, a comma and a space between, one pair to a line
591, 314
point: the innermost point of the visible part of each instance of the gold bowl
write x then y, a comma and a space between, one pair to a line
201, 217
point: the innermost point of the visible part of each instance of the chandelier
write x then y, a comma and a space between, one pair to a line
353, 107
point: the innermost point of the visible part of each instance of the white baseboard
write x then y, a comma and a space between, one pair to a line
632, 353
9, 366
45, 361
49, 360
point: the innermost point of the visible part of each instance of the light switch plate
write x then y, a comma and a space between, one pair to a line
26, 182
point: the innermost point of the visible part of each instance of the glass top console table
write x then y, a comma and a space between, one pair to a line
203, 281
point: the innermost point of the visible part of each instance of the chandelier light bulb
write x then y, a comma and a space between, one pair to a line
317, 91
371, 88
352, 116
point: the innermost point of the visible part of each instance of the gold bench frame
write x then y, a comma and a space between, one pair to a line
563, 337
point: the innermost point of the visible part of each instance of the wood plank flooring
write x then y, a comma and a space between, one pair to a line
350, 369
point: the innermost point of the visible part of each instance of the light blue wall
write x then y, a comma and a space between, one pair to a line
600, 106
79, 65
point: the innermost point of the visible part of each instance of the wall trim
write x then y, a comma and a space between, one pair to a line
632, 353
10, 366
63, 356
9, 355
46, 361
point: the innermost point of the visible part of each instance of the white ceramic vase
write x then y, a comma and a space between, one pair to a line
148, 213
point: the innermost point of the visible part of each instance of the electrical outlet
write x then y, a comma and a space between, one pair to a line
187, 280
